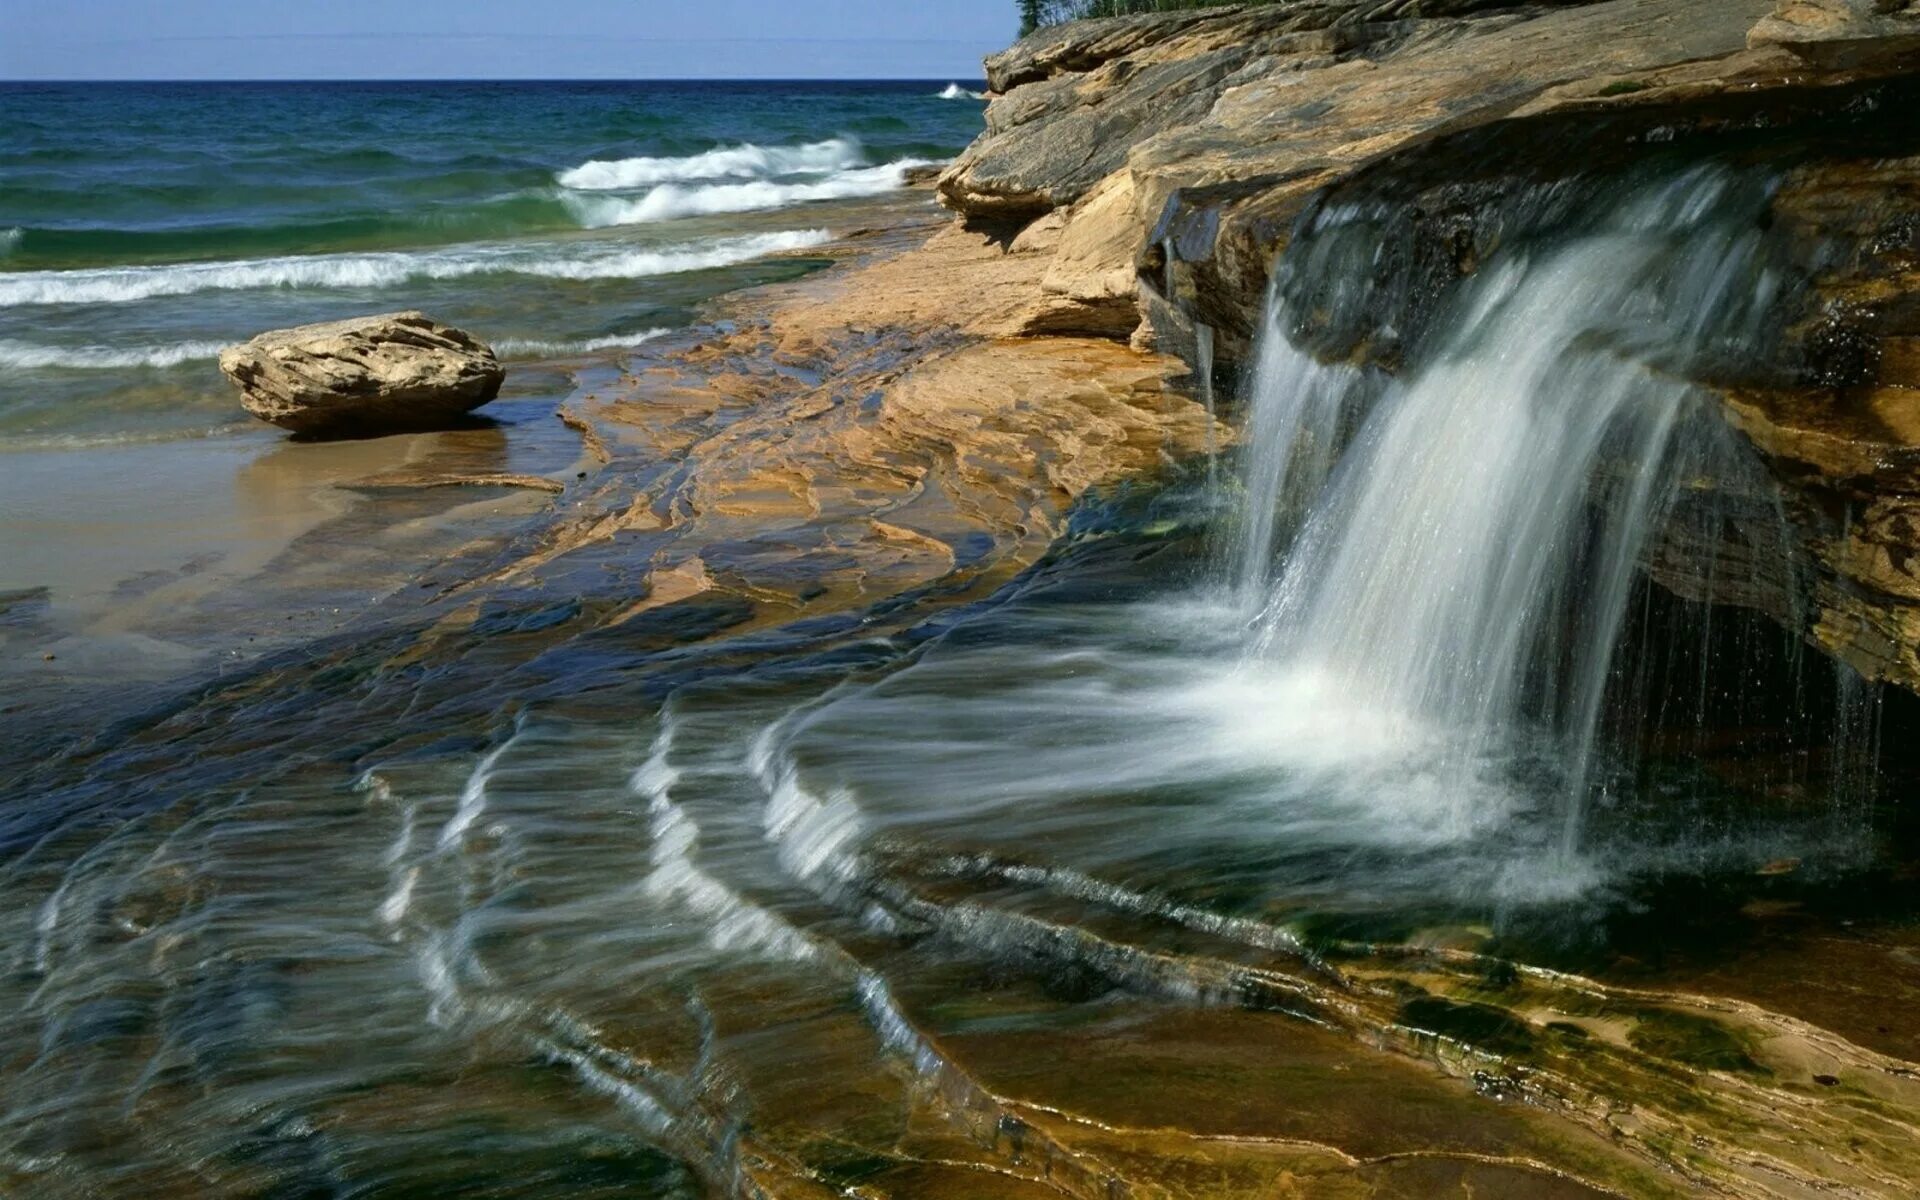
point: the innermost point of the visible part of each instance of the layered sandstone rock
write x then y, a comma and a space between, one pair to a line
1223, 125
1167, 158
394, 371
861, 433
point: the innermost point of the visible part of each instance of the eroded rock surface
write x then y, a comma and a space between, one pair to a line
1226, 124
863, 433
394, 371
1168, 158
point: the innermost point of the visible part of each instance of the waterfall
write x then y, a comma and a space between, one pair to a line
1460, 574
1202, 362
1298, 403
1203, 367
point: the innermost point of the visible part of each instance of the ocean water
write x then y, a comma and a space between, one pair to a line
143, 226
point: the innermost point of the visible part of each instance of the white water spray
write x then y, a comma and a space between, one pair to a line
1461, 576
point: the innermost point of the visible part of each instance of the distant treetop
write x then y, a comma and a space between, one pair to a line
1036, 13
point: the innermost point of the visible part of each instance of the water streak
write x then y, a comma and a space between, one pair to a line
1461, 577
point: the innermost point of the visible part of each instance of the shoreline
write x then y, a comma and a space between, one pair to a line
736, 426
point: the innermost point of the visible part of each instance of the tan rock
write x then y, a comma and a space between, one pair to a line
1089, 286
1801, 22
1212, 132
365, 375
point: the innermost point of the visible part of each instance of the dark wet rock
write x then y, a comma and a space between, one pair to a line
24, 606
1838, 422
394, 371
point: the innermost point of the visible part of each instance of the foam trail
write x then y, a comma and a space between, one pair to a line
671, 200
47, 923
535, 347
816, 838
445, 1003
734, 922
393, 909
745, 161
29, 356
896, 1032
653, 1116
722, 252
473, 799
559, 260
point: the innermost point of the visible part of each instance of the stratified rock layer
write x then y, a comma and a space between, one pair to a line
394, 371
1169, 158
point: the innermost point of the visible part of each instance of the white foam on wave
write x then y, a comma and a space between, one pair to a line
954, 91
651, 1113
537, 347
393, 909
817, 838
47, 923
118, 285
720, 252
671, 200
745, 161
83, 358
10, 238
473, 799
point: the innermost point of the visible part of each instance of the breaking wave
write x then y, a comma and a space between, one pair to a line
30, 355
954, 91
746, 161
720, 252
537, 348
671, 200
387, 269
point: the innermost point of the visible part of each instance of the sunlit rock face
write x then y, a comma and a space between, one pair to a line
1228, 123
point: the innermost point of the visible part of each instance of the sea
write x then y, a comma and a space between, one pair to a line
143, 226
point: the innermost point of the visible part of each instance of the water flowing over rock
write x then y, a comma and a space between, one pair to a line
1179, 154
394, 371
903, 762
1462, 575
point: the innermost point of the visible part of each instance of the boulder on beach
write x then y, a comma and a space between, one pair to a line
394, 371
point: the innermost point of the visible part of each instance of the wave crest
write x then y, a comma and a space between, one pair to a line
954, 91
119, 285
745, 161
82, 358
538, 348
670, 200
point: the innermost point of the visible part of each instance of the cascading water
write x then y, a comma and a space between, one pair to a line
1459, 582
1203, 367
1292, 436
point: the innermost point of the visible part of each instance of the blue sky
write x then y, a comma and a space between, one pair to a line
500, 39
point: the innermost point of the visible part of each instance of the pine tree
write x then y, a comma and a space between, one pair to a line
1029, 16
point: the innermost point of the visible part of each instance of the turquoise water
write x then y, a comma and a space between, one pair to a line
143, 226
